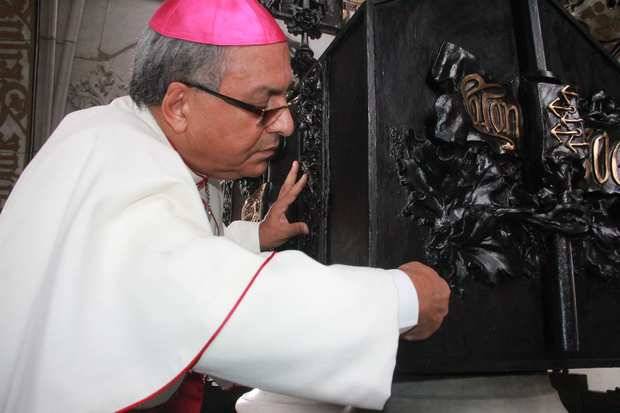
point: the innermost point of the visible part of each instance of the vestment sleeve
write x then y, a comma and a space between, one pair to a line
302, 328
408, 304
244, 233
142, 279
321, 332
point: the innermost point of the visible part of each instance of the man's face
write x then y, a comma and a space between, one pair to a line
228, 142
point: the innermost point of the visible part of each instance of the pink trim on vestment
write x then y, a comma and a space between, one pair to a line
208, 343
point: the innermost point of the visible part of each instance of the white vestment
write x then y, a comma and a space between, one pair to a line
112, 283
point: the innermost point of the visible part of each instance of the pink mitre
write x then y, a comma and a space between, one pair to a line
217, 22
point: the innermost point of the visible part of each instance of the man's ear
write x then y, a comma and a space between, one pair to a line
175, 106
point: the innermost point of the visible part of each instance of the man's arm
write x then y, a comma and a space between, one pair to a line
421, 301
304, 329
423, 295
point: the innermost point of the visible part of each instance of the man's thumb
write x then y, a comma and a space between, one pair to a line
299, 228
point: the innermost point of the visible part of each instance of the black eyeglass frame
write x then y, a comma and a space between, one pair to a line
263, 113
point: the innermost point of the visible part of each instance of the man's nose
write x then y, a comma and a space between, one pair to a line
283, 125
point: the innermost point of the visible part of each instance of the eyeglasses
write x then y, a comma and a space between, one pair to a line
266, 115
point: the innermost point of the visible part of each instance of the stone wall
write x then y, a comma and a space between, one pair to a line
101, 67
16, 65
102, 63
602, 20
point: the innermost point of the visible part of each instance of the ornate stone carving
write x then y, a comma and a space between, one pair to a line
601, 19
15, 91
100, 88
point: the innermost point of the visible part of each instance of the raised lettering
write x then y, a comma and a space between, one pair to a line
613, 163
598, 157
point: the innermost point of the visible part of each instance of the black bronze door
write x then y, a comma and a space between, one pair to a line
482, 138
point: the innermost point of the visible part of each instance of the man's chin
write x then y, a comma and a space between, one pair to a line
255, 170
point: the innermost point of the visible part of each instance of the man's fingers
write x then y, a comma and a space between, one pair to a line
275, 228
290, 178
298, 228
286, 199
294, 192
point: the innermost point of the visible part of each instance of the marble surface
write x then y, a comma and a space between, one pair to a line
505, 394
502, 394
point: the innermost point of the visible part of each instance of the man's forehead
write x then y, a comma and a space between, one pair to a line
263, 68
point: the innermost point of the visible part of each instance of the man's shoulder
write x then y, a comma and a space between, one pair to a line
120, 117
120, 136
121, 128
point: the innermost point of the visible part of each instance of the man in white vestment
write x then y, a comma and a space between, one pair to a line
118, 278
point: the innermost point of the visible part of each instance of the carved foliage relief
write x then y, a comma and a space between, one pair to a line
471, 201
99, 87
313, 200
16, 49
466, 182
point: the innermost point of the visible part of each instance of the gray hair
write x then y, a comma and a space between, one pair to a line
161, 60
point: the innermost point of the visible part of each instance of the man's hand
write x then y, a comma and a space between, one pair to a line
433, 297
275, 229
